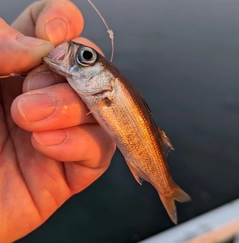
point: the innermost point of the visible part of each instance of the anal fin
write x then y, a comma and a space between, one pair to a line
167, 145
135, 173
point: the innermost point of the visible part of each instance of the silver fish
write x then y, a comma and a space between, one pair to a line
123, 114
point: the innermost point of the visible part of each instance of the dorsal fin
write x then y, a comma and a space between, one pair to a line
144, 102
167, 145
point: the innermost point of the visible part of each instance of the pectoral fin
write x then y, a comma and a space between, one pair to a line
135, 173
104, 102
167, 145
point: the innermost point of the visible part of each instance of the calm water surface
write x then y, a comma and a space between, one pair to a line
183, 57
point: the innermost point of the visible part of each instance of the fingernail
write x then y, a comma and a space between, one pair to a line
30, 41
56, 30
51, 138
36, 107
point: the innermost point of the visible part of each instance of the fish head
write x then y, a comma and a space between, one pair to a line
82, 66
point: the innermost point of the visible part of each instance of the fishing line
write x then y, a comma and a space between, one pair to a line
110, 32
13, 75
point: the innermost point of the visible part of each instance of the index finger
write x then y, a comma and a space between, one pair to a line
20, 53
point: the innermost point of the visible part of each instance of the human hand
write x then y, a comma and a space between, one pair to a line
50, 149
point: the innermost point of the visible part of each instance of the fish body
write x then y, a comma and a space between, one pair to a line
122, 112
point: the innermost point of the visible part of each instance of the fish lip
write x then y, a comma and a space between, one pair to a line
59, 52
51, 62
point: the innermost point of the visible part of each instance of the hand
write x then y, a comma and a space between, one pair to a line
50, 149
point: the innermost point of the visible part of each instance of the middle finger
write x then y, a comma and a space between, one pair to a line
49, 108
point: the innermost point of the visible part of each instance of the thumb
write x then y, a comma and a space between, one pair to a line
20, 53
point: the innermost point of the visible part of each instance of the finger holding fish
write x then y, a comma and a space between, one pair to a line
50, 108
41, 77
15, 46
55, 21
72, 145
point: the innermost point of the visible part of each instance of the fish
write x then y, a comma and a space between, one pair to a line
123, 113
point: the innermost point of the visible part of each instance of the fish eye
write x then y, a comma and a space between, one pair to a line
86, 56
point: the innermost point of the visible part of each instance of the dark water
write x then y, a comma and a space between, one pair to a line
183, 55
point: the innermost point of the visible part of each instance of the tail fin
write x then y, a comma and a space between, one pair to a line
168, 201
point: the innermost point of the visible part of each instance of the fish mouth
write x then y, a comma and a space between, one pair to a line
60, 59
57, 55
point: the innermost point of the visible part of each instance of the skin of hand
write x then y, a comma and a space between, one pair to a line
49, 148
